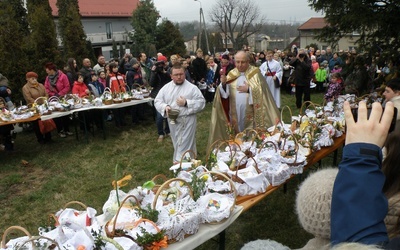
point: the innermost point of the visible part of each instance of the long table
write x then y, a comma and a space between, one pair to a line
102, 107
244, 203
249, 201
30, 119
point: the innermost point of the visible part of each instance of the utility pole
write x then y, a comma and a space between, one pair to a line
203, 27
226, 40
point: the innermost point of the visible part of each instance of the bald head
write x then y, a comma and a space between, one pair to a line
86, 62
242, 61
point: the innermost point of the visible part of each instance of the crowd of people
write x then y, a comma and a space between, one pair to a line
245, 89
297, 71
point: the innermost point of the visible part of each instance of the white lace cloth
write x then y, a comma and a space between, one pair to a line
180, 218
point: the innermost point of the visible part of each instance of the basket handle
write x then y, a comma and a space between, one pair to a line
75, 202
266, 143
159, 177
304, 106
210, 150
255, 166
112, 233
142, 220
296, 145
40, 98
8, 230
165, 184
53, 98
233, 188
183, 156
290, 112
33, 238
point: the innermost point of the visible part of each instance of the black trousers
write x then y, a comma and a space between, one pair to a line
300, 91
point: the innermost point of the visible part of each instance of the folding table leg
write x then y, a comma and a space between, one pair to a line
221, 242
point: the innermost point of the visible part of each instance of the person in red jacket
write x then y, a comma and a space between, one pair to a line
80, 87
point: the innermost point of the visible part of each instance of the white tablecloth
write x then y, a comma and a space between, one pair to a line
111, 106
206, 231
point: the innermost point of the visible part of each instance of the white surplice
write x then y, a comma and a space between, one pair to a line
274, 66
242, 100
183, 132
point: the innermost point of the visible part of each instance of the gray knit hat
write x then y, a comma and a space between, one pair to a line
133, 61
3, 81
313, 202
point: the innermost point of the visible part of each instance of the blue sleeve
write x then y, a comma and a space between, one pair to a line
358, 204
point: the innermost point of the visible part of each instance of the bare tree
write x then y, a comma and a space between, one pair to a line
237, 20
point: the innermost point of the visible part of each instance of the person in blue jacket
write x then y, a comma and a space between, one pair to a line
358, 204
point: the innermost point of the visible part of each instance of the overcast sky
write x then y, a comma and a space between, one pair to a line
274, 10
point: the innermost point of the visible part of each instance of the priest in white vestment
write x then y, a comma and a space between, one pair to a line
242, 101
272, 69
187, 98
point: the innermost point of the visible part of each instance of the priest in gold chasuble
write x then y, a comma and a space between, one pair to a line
242, 101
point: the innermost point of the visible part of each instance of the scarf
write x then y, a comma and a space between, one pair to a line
53, 79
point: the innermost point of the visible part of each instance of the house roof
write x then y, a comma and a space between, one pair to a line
314, 23
102, 8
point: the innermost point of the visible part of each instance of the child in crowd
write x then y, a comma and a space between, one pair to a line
320, 76
336, 69
209, 95
335, 87
80, 87
95, 86
102, 78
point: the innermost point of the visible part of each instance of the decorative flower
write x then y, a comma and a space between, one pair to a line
160, 244
122, 182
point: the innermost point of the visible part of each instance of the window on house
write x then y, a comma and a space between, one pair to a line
109, 30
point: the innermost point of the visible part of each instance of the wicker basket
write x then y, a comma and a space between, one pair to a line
236, 178
8, 230
156, 180
107, 96
67, 205
137, 230
118, 233
31, 239
179, 218
215, 217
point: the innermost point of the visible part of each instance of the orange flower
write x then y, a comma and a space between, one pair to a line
160, 244
122, 182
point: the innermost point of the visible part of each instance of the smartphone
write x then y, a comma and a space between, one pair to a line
354, 111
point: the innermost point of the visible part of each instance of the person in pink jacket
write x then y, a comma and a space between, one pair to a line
57, 84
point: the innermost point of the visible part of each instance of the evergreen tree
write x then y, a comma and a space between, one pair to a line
169, 39
43, 43
20, 15
115, 52
144, 22
71, 30
217, 42
91, 54
121, 49
376, 22
13, 63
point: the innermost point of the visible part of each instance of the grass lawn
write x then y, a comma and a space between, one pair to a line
70, 169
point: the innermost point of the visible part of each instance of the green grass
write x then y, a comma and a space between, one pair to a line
68, 170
